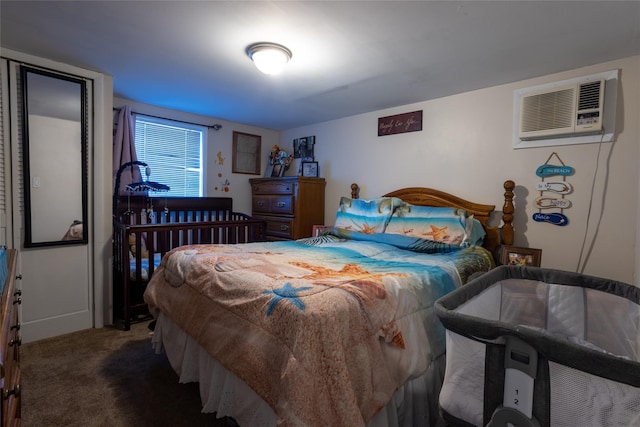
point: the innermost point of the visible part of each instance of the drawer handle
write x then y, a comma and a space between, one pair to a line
261, 204
16, 327
15, 391
284, 227
17, 293
281, 204
19, 277
17, 301
16, 342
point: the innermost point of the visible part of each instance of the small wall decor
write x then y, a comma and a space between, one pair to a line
310, 169
514, 255
246, 153
550, 190
400, 123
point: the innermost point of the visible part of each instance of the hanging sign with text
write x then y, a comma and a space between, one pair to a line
400, 123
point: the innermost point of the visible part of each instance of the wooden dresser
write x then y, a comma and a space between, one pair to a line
291, 206
10, 341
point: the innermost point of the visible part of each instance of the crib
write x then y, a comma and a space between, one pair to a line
540, 347
145, 228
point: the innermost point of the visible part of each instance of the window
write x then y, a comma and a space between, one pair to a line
174, 152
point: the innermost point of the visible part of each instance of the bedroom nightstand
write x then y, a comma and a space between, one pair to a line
291, 206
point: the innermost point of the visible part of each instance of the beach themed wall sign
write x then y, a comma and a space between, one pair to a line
553, 188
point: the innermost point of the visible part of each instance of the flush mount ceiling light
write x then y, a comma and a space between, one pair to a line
270, 58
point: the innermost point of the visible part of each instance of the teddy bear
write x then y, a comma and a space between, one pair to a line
132, 247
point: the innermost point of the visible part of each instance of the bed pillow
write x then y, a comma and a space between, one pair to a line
365, 216
441, 224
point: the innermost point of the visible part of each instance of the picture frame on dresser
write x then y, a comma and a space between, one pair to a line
514, 255
317, 230
310, 169
277, 170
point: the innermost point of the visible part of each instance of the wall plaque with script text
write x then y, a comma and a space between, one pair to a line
400, 123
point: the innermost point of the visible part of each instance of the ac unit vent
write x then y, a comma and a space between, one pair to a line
549, 110
562, 111
589, 96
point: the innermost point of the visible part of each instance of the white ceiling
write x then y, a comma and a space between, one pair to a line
349, 57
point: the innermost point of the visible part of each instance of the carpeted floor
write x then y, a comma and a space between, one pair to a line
105, 377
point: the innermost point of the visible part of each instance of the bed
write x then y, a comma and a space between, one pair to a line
146, 228
337, 329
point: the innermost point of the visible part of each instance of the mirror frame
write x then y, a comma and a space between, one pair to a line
28, 231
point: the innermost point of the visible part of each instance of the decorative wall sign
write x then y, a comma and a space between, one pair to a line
551, 203
555, 187
400, 123
552, 170
558, 188
552, 218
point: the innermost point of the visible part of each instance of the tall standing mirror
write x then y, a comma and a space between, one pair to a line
54, 130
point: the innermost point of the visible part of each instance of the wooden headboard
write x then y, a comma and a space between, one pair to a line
423, 196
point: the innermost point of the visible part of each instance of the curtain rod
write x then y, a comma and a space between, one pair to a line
214, 126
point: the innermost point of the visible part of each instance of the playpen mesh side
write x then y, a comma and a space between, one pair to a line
580, 399
463, 392
585, 317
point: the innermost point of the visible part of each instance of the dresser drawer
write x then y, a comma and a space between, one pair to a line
273, 204
279, 227
273, 187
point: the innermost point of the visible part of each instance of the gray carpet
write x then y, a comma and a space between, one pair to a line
105, 377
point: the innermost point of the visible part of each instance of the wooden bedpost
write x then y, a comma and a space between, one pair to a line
355, 190
507, 213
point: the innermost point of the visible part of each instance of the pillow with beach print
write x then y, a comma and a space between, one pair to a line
441, 224
365, 216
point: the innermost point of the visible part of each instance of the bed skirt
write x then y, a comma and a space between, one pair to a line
414, 404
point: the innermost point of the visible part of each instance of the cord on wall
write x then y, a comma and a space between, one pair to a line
583, 263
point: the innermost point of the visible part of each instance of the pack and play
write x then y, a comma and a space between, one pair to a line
531, 346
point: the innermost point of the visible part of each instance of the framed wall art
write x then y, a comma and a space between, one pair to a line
246, 153
310, 169
514, 255
303, 147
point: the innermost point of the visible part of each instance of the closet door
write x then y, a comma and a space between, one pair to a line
57, 294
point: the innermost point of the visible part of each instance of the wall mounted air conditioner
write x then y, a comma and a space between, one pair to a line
575, 111
565, 110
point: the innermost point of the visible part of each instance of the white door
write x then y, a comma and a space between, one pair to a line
57, 291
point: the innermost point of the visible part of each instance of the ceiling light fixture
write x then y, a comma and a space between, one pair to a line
270, 58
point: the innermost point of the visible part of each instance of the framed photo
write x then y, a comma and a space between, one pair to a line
310, 169
514, 255
246, 153
277, 171
303, 147
318, 229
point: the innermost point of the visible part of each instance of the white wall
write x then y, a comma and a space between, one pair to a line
465, 148
219, 141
